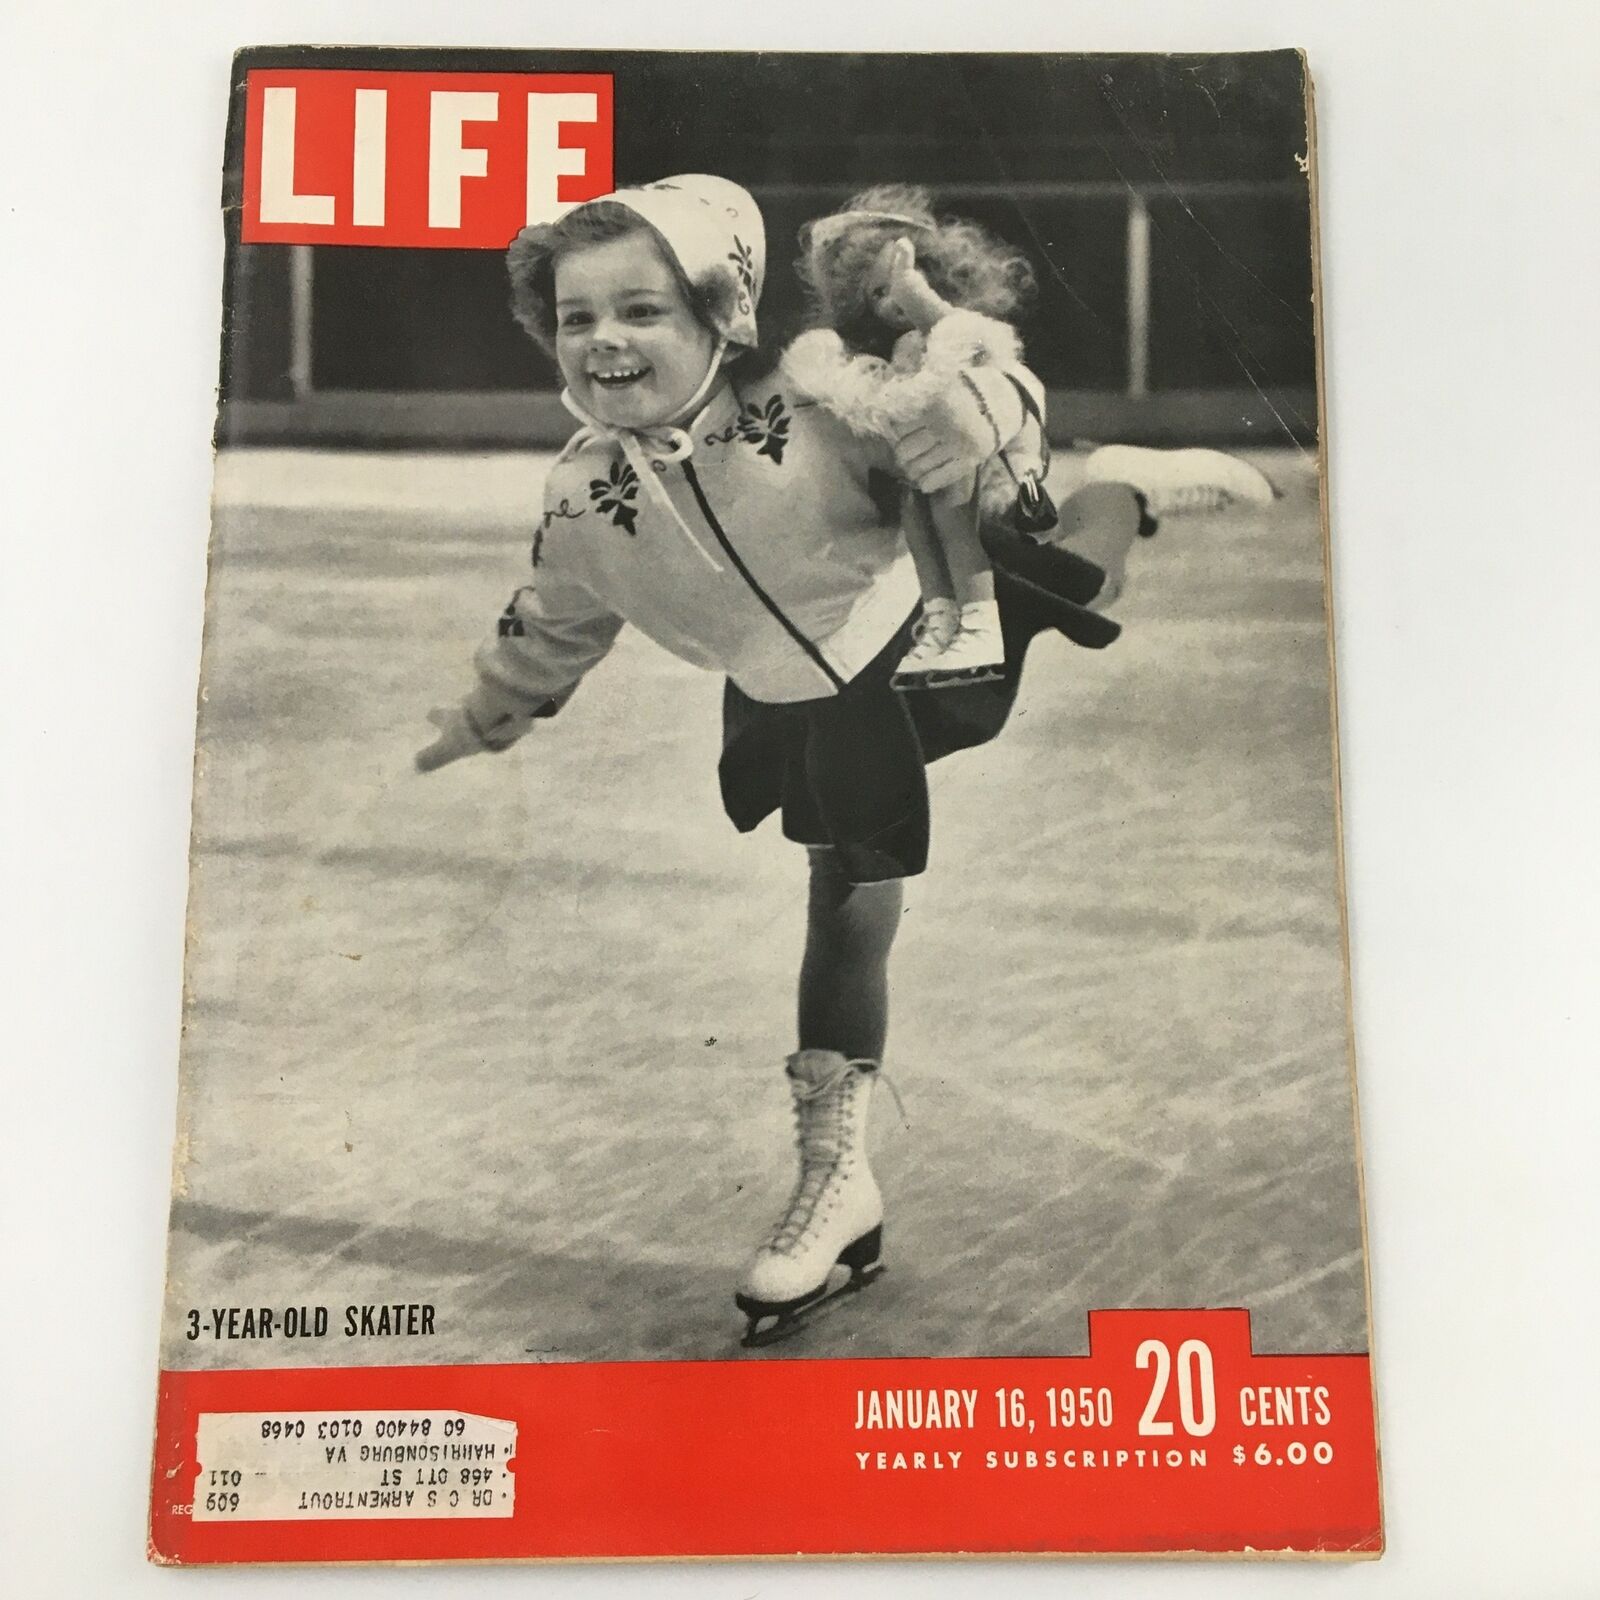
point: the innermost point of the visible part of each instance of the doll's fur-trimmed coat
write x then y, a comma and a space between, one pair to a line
876, 397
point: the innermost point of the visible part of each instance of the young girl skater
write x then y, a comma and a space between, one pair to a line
742, 527
911, 305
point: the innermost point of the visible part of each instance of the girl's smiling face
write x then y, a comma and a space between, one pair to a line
630, 347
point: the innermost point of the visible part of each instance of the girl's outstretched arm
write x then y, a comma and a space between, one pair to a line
551, 634
547, 638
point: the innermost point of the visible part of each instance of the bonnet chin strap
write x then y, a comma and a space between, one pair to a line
650, 450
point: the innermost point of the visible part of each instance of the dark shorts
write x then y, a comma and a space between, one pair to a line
848, 770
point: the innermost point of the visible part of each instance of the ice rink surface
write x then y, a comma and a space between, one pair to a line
509, 1038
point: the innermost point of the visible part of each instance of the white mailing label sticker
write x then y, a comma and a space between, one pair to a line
309, 1466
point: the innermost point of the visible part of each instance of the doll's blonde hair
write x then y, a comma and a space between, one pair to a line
962, 260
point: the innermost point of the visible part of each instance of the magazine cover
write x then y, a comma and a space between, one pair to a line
766, 964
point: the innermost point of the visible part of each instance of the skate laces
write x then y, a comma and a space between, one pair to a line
894, 1094
922, 629
868, 1069
822, 1113
925, 644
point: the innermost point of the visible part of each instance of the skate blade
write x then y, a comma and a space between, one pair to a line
911, 681
789, 1320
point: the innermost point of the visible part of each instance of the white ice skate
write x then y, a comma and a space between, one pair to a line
834, 1218
936, 628
975, 653
1180, 480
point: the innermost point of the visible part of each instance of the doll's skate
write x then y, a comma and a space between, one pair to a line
976, 653
935, 632
828, 1242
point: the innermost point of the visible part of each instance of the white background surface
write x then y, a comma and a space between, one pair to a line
1459, 148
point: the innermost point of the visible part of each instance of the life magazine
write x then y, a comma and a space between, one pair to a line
767, 966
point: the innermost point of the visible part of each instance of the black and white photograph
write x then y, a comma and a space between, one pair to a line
870, 885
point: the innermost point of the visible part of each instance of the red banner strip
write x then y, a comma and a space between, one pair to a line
1169, 1436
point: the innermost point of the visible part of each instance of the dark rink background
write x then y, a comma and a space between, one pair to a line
1164, 201
509, 1039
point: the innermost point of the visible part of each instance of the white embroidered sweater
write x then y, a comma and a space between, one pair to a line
763, 555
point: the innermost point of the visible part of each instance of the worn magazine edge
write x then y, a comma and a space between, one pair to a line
181, 1151
1324, 486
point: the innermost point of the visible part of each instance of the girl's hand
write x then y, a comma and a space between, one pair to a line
457, 738
491, 718
958, 430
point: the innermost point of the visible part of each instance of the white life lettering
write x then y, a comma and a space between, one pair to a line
279, 202
449, 161
548, 159
370, 162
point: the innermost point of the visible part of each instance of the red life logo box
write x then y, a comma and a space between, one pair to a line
442, 160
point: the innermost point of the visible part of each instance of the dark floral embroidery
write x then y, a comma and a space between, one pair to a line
614, 495
744, 263
751, 425
565, 510
510, 624
766, 427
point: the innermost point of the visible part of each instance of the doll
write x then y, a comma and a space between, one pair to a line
913, 304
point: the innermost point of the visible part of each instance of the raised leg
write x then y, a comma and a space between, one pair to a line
1100, 522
